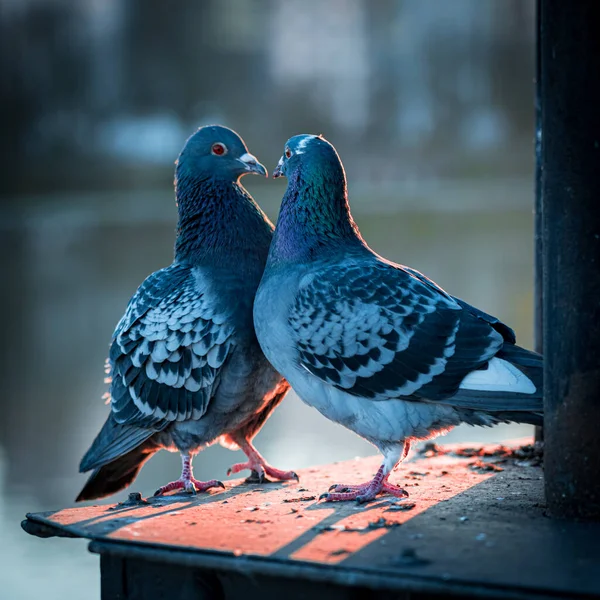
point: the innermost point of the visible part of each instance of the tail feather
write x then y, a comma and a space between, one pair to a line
520, 416
487, 418
116, 457
531, 363
118, 474
516, 398
113, 441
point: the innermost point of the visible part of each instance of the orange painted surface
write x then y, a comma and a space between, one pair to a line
284, 520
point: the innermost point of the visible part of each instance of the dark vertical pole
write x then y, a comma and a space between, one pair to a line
570, 94
538, 263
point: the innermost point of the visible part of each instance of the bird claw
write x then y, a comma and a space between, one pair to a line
255, 477
340, 487
260, 472
395, 490
363, 492
344, 488
191, 486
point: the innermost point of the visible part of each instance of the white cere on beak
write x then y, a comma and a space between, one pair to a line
248, 159
251, 164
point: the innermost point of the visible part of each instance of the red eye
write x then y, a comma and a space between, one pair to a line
288, 153
218, 149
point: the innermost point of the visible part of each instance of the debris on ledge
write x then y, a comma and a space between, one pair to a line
474, 518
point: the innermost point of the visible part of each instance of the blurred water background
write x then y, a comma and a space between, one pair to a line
429, 103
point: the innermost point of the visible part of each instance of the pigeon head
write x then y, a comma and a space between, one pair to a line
216, 152
216, 213
315, 217
309, 155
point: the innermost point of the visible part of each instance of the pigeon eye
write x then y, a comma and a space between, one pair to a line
218, 149
288, 153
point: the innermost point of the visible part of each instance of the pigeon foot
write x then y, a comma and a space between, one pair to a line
259, 467
187, 481
364, 492
190, 485
260, 472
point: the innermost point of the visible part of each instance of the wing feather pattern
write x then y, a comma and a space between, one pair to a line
381, 331
167, 350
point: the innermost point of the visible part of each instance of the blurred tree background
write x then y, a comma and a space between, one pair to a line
99, 94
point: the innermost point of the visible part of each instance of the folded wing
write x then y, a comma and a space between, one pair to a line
382, 331
167, 350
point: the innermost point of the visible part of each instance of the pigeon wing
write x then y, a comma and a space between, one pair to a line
378, 331
504, 330
167, 350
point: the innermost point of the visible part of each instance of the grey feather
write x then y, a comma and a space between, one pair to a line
179, 304
114, 476
379, 332
113, 440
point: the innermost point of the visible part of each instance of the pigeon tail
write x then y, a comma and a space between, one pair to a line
531, 363
113, 441
510, 387
524, 417
118, 474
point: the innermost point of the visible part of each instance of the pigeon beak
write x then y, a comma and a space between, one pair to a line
251, 165
278, 172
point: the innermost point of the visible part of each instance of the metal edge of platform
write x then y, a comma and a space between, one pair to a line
314, 573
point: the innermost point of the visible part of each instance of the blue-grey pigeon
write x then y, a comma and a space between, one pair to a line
185, 367
373, 345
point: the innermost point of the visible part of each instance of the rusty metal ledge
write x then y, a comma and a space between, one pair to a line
473, 527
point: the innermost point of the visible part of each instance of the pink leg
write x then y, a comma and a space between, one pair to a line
365, 492
186, 481
259, 466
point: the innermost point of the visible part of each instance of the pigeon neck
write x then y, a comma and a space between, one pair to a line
218, 220
314, 220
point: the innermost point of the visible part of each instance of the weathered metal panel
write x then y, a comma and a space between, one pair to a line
477, 529
570, 96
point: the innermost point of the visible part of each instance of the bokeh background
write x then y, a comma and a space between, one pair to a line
429, 103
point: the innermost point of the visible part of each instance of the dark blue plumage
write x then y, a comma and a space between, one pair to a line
185, 366
373, 345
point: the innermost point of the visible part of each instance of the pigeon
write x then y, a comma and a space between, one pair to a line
184, 366
376, 346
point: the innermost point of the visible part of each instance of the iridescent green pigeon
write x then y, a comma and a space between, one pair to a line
185, 366
376, 346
